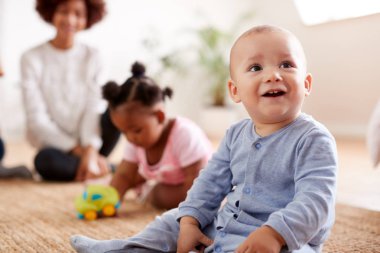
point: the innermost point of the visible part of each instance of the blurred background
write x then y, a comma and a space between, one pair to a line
343, 55
185, 45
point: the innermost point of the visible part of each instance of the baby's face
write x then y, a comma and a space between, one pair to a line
269, 76
138, 124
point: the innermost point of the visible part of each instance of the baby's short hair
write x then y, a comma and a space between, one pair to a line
266, 28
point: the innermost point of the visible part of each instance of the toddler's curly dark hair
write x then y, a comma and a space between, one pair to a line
138, 87
96, 10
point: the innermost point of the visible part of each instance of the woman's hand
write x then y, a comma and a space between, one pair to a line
191, 237
98, 167
92, 165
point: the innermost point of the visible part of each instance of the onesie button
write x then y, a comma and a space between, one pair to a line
235, 216
258, 145
218, 249
247, 190
237, 203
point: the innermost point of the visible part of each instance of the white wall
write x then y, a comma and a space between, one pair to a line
343, 56
119, 36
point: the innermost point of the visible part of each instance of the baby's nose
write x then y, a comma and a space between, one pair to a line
273, 76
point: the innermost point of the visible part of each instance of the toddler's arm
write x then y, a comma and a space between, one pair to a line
169, 196
264, 239
190, 236
126, 177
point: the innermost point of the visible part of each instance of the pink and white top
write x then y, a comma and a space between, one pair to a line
186, 144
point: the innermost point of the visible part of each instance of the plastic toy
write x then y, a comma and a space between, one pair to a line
97, 201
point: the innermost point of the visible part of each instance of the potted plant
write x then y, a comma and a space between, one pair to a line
208, 56
212, 59
213, 47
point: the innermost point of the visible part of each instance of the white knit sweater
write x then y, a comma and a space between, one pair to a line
61, 93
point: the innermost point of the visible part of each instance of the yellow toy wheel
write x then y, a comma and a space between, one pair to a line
90, 215
109, 210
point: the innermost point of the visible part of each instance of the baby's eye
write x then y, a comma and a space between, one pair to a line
286, 65
255, 68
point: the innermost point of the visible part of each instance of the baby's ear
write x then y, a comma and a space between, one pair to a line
308, 84
161, 116
233, 91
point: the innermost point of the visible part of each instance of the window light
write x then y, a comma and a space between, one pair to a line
314, 12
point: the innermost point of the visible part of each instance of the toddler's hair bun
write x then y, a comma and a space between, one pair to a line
167, 92
138, 69
111, 90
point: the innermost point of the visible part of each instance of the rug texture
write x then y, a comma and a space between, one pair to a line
40, 217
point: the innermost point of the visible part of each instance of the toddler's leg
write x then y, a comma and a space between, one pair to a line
159, 236
83, 244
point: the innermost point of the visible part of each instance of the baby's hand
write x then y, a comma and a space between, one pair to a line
191, 237
264, 240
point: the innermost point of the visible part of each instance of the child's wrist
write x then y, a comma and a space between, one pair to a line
276, 235
189, 220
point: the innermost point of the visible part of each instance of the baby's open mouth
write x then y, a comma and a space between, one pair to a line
274, 93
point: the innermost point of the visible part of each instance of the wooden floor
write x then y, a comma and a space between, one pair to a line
358, 182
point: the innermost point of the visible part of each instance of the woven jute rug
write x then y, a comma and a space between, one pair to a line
40, 217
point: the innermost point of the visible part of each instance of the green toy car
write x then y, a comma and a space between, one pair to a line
97, 201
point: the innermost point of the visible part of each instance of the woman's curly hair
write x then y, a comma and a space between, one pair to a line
96, 10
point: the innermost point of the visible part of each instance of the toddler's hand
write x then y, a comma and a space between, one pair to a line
191, 237
264, 240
